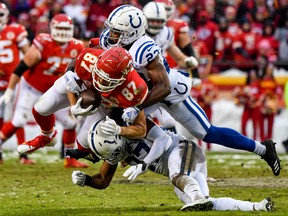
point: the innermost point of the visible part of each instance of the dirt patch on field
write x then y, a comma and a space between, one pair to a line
269, 182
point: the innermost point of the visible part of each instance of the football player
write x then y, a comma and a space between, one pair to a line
171, 155
181, 36
109, 73
14, 43
170, 88
43, 63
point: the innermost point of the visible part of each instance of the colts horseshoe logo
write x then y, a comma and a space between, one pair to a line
135, 25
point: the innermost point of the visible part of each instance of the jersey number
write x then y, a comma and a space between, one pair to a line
6, 54
56, 62
92, 59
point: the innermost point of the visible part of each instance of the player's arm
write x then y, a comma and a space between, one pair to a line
181, 59
161, 84
31, 58
100, 180
137, 130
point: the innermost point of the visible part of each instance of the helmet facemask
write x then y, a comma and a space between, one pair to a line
62, 28
4, 16
103, 82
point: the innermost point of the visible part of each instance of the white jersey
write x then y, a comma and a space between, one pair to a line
143, 51
164, 39
180, 157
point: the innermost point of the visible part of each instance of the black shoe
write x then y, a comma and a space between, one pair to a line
1, 158
271, 156
285, 144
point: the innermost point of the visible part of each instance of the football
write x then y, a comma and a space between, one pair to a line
90, 97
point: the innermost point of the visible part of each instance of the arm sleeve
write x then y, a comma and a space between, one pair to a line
160, 144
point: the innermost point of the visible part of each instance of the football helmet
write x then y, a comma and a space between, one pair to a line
110, 148
111, 69
169, 7
62, 28
126, 24
4, 15
156, 17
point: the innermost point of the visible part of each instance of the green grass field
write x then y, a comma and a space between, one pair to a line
46, 188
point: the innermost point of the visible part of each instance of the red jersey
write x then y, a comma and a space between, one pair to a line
53, 61
223, 45
179, 27
132, 92
12, 38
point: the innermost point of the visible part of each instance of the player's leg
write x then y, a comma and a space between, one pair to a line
181, 161
227, 203
194, 119
69, 123
43, 111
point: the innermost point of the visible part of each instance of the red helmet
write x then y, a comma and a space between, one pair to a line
4, 15
111, 69
85, 62
62, 28
169, 7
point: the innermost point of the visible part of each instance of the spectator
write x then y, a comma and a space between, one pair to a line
205, 31
269, 98
77, 12
223, 46
248, 96
245, 47
97, 16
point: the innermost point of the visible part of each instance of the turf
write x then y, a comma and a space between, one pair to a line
46, 188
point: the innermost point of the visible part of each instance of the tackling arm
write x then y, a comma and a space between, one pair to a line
161, 84
100, 180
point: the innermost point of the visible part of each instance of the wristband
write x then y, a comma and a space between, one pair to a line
88, 180
21, 68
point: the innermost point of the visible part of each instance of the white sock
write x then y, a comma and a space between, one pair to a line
259, 148
182, 196
227, 203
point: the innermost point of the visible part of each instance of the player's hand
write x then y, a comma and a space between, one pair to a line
7, 96
130, 114
196, 82
78, 110
78, 178
110, 127
134, 171
71, 84
191, 62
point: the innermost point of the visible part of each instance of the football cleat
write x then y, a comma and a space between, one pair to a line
1, 158
198, 205
38, 142
266, 205
271, 156
72, 162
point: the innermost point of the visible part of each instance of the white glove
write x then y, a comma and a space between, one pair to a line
71, 84
7, 96
78, 110
134, 171
196, 82
130, 114
78, 178
110, 127
191, 62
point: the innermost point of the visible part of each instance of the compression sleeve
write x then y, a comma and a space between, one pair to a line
188, 50
160, 144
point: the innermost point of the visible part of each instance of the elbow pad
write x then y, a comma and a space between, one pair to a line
21, 68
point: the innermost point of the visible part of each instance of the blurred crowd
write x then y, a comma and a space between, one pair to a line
236, 33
